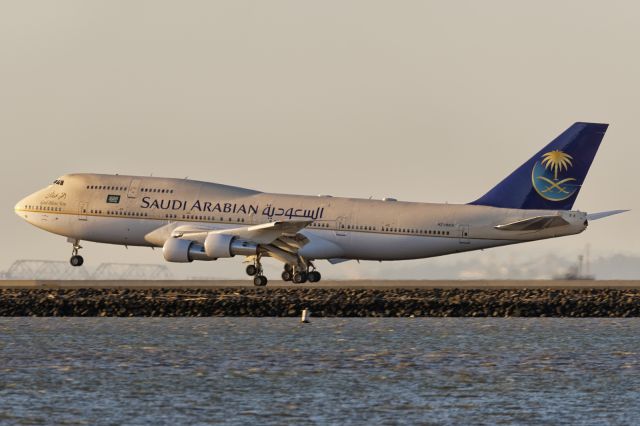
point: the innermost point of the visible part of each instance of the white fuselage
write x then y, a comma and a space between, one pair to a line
125, 210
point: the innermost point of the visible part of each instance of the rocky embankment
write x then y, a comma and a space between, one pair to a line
283, 302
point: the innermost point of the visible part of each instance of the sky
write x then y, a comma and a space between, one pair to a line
418, 100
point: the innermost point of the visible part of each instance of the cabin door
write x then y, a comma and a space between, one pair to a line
341, 227
83, 207
463, 234
134, 187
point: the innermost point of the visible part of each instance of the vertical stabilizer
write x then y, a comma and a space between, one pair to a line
551, 179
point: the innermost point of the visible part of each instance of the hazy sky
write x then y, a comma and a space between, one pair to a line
419, 100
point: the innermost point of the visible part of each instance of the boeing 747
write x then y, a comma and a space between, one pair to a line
193, 220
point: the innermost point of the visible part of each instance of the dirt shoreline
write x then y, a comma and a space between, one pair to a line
369, 284
323, 302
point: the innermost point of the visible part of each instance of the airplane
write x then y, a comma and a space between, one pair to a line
194, 220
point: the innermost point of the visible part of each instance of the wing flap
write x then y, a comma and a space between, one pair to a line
267, 233
536, 223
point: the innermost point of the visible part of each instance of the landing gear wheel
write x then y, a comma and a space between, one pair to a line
286, 276
251, 270
76, 260
300, 277
288, 268
260, 281
314, 276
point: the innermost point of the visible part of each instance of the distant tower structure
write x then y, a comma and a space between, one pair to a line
45, 270
579, 271
127, 271
53, 270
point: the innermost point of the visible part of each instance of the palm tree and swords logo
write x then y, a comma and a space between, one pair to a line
549, 176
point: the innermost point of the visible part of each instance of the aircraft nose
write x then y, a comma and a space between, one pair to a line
20, 205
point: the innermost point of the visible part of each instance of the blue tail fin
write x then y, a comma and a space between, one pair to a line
552, 178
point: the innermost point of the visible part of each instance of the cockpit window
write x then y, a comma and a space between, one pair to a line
58, 182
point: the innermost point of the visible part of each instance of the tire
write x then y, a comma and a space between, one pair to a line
300, 277
314, 276
286, 276
288, 267
76, 261
260, 281
251, 270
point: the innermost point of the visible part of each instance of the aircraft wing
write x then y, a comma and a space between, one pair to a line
536, 223
265, 233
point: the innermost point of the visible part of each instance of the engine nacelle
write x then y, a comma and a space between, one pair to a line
218, 245
179, 250
215, 246
223, 245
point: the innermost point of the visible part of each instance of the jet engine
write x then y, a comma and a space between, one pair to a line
223, 245
180, 250
215, 246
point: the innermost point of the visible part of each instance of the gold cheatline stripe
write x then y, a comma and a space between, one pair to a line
232, 223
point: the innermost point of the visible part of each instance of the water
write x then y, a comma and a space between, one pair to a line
332, 371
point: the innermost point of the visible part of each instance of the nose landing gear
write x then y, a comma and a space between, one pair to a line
76, 259
255, 271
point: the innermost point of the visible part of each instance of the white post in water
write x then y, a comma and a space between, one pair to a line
305, 315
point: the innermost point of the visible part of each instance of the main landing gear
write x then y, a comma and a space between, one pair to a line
255, 271
299, 275
76, 259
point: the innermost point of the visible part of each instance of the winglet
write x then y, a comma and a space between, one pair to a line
600, 215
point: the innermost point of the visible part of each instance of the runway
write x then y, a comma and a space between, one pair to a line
355, 284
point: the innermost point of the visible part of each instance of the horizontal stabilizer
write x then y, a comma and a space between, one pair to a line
600, 215
336, 260
534, 223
